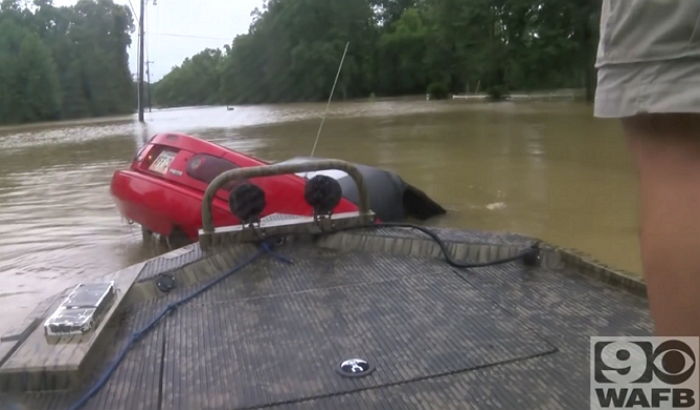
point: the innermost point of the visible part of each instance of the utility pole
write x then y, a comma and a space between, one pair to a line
140, 87
148, 80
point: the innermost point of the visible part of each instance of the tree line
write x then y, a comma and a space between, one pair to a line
70, 62
293, 47
64, 62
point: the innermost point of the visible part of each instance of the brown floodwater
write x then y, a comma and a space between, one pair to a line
546, 169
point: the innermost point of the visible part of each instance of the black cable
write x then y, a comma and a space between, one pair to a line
529, 256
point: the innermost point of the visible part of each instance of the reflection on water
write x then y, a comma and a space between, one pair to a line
544, 169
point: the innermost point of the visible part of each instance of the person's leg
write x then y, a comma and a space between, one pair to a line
666, 149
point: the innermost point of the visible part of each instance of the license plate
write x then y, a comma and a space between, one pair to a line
161, 164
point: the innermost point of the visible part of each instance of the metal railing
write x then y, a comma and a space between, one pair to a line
280, 169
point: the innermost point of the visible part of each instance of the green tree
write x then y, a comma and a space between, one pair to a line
293, 48
511, 44
387, 12
404, 47
402, 51
64, 62
29, 89
98, 32
195, 82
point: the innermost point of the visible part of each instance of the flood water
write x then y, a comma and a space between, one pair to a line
546, 169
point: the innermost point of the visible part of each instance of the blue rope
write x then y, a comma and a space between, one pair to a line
265, 248
270, 251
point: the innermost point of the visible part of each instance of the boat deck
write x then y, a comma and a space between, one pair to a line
273, 334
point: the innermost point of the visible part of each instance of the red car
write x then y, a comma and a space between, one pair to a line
164, 186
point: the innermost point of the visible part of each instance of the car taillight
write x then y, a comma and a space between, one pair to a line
140, 155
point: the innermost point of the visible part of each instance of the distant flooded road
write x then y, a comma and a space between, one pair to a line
544, 169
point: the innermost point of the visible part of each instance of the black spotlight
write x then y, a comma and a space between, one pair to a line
247, 202
323, 193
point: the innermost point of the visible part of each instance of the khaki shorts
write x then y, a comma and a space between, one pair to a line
669, 86
648, 57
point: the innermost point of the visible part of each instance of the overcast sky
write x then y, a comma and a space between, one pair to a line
176, 29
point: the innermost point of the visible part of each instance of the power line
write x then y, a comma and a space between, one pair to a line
190, 36
134, 12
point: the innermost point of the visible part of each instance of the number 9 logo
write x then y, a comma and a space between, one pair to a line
671, 362
622, 362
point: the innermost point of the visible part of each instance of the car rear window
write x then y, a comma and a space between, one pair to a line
205, 167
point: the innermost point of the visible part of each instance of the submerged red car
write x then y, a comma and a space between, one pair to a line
163, 188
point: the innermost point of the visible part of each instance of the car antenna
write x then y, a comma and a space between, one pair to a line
330, 98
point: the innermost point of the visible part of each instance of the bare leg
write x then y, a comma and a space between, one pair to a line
666, 149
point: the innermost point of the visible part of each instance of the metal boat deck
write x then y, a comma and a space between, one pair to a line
273, 334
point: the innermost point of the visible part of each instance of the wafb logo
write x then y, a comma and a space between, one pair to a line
644, 373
